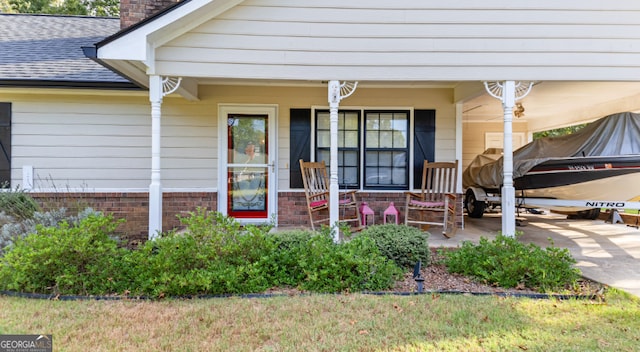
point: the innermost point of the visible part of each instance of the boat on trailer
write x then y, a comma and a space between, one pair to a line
596, 167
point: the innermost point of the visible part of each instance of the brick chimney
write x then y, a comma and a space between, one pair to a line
134, 11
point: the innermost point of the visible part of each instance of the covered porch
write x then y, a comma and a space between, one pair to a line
430, 64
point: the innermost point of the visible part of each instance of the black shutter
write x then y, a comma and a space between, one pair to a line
424, 143
5, 144
299, 144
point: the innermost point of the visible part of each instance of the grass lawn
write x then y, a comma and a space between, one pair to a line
331, 323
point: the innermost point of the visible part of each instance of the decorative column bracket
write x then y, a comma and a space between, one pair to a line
170, 85
508, 92
496, 89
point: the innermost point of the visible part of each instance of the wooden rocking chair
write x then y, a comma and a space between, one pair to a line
436, 204
316, 189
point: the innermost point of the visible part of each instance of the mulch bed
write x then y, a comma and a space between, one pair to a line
438, 279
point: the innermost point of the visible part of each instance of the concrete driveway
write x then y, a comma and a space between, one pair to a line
607, 253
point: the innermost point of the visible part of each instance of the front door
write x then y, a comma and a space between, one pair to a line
249, 169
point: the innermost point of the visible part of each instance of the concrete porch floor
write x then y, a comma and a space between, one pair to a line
607, 253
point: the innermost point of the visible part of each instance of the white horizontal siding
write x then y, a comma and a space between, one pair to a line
34, 154
376, 73
445, 143
494, 5
419, 30
93, 143
406, 45
422, 12
97, 143
409, 40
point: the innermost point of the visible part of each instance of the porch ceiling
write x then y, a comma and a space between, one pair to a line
550, 104
557, 104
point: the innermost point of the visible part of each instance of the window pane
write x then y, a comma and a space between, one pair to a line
324, 155
386, 121
399, 139
385, 158
372, 139
399, 159
372, 123
351, 139
371, 158
323, 121
378, 176
386, 140
399, 176
340, 139
385, 175
351, 121
324, 139
400, 121
350, 177
372, 179
351, 158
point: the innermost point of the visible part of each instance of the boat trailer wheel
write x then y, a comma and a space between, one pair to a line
475, 208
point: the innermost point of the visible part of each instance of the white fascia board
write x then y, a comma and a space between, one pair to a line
136, 44
129, 47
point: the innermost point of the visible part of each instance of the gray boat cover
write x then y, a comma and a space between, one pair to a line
617, 134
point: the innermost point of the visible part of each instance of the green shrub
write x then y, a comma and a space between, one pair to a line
67, 259
404, 245
312, 261
506, 262
283, 265
214, 255
355, 265
17, 204
230, 240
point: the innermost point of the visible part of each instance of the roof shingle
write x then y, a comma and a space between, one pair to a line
49, 48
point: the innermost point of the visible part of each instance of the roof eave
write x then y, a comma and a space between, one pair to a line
124, 69
41, 83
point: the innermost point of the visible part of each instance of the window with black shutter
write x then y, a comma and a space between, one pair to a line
382, 138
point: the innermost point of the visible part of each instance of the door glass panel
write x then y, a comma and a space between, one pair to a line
247, 171
248, 188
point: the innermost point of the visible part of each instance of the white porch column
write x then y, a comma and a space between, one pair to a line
337, 92
459, 147
158, 88
508, 192
155, 188
508, 92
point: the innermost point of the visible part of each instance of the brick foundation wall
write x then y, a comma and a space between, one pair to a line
133, 207
292, 207
292, 210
